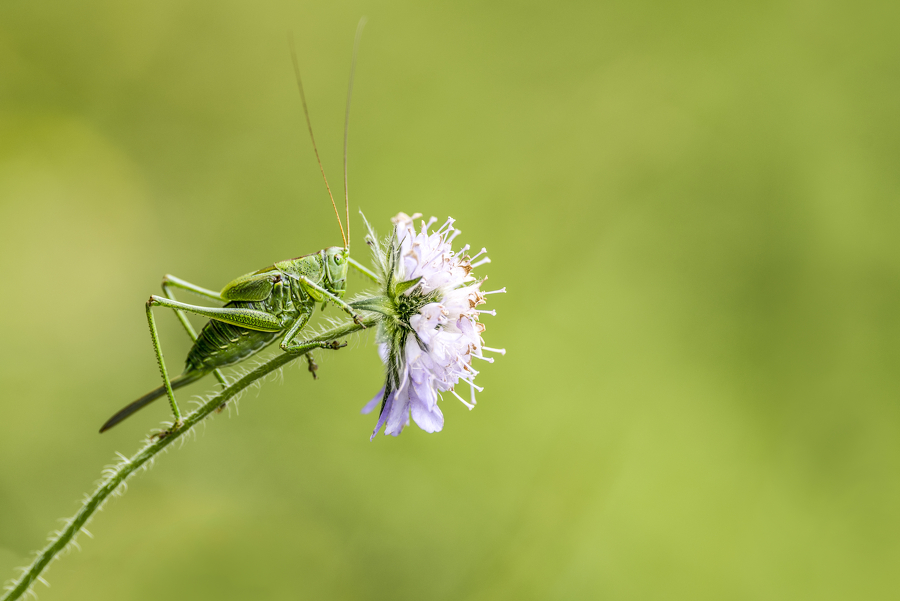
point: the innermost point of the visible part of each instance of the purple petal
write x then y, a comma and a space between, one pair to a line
430, 420
388, 404
398, 417
426, 395
376, 400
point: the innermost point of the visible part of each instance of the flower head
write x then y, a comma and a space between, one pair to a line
431, 330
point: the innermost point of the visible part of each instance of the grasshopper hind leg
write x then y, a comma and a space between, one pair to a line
162, 364
239, 316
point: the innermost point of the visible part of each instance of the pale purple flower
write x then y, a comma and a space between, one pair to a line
432, 331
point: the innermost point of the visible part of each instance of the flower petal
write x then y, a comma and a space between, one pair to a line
376, 400
430, 420
388, 403
398, 416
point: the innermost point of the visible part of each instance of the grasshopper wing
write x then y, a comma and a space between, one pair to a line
254, 286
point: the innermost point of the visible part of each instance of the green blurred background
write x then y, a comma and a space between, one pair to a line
694, 207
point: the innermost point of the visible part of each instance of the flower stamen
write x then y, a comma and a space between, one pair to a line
462, 400
480, 252
473, 385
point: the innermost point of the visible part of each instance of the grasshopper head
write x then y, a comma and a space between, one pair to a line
336, 264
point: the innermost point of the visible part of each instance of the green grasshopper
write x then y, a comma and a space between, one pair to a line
259, 306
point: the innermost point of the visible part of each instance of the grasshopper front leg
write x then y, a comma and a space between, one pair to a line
363, 269
315, 290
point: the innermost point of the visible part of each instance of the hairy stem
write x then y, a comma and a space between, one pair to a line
116, 477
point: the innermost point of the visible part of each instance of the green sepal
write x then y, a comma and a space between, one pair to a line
376, 304
404, 286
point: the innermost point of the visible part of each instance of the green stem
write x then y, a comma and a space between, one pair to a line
114, 479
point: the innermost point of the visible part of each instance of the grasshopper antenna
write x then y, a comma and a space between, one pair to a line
359, 30
313, 138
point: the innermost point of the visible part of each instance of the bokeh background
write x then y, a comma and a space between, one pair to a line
694, 206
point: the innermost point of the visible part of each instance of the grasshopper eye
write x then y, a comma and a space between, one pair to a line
338, 259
